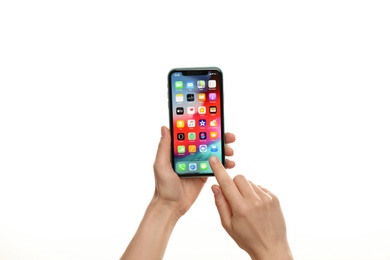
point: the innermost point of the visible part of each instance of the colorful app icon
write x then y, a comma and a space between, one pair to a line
213, 148
191, 122
213, 109
191, 136
179, 111
181, 149
212, 96
190, 97
180, 136
201, 84
203, 148
190, 110
192, 148
214, 122
178, 85
180, 123
202, 135
179, 98
181, 167
202, 110
192, 167
213, 135
203, 166
202, 122
212, 83
190, 85
201, 97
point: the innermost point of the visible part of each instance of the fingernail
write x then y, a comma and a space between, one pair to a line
215, 190
213, 159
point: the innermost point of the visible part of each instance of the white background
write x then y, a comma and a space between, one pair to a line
83, 96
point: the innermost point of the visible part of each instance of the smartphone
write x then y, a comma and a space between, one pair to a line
195, 97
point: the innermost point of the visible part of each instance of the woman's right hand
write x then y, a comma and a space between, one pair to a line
251, 215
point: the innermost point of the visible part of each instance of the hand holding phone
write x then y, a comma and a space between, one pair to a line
196, 119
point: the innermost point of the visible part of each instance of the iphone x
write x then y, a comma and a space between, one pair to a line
195, 97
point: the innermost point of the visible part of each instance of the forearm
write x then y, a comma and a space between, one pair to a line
152, 236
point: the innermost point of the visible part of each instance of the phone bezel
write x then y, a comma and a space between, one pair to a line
196, 71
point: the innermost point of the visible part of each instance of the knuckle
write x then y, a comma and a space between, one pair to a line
225, 225
271, 201
276, 202
257, 205
275, 199
227, 183
219, 203
248, 208
244, 209
156, 166
239, 177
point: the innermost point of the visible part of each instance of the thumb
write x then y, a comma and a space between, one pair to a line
163, 155
224, 210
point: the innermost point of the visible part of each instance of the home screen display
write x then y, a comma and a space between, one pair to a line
196, 121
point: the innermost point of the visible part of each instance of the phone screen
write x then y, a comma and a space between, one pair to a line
196, 119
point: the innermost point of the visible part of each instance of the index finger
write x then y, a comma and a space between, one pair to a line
226, 183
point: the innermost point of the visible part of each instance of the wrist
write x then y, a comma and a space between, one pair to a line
282, 252
165, 209
152, 235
